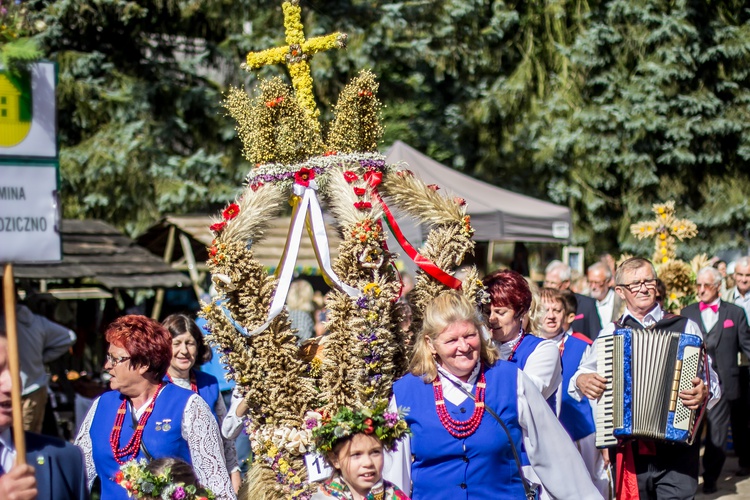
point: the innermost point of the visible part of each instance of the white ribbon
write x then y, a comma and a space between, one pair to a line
309, 202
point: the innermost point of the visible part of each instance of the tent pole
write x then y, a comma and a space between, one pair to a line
490, 255
187, 250
168, 251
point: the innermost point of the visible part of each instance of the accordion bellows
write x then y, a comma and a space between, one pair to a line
645, 372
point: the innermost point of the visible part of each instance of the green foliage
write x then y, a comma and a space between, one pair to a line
605, 106
139, 94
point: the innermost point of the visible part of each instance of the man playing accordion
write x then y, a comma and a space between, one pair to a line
648, 469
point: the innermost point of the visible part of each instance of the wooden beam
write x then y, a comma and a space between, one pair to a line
14, 364
187, 250
168, 251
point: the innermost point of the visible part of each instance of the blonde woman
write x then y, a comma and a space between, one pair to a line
459, 449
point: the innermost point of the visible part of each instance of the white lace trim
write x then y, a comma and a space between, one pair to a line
230, 449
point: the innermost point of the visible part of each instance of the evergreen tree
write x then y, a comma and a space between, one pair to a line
142, 132
665, 116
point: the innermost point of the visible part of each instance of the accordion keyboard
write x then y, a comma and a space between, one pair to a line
605, 407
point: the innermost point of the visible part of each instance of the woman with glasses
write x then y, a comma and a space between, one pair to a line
189, 351
145, 418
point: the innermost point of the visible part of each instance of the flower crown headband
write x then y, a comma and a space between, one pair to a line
387, 426
142, 483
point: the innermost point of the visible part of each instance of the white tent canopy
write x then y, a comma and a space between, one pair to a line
496, 214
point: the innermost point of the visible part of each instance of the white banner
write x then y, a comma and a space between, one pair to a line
29, 214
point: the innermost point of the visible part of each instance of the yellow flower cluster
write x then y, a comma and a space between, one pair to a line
303, 87
665, 228
293, 23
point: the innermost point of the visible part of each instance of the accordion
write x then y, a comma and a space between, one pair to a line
645, 371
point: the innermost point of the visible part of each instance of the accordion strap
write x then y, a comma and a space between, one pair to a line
704, 406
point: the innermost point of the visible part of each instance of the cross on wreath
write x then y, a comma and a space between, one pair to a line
296, 53
664, 229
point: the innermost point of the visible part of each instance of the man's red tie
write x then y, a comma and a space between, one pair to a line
703, 306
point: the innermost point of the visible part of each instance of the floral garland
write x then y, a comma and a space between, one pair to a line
378, 422
283, 175
142, 483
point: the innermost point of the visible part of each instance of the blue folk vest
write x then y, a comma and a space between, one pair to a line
521, 355
575, 416
170, 406
478, 467
208, 389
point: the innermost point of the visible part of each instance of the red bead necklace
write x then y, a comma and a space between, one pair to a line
130, 451
456, 428
193, 384
513, 352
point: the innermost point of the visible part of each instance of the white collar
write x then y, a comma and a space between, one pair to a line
715, 302
506, 348
607, 298
738, 294
654, 315
468, 385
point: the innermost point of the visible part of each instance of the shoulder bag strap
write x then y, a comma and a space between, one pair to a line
530, 492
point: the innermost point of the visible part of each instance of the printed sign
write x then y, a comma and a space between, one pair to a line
28, 120
317, 467
29, 213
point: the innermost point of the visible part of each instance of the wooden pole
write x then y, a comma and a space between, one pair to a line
9, 290
168, 251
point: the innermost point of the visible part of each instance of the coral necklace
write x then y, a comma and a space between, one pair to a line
193, 384
515, 347
457, 428
130, 451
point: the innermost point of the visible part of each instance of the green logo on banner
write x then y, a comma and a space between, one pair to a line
15, 107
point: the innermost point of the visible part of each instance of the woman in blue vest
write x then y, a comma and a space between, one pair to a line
145, 418
189, 351
458, 450
539, 359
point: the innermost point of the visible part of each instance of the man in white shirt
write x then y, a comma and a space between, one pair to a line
725, 330
608, 304
662, 470
740, 293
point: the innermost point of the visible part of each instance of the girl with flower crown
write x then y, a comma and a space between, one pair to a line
354, 443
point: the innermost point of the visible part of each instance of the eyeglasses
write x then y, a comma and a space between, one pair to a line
115, 361
638, 285
705, 285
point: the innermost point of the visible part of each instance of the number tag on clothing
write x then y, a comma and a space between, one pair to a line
317, 467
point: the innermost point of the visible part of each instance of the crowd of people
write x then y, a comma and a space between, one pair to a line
501, 400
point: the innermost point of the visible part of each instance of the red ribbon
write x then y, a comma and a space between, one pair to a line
373, 179
627, 479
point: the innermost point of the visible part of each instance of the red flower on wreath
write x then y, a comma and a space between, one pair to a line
350, 176
363, 205
232, 211
218, 226
330, 153
373, 177
434, 187
369, 429
359, 191
303, 176
459, 201
256, 186
119, 476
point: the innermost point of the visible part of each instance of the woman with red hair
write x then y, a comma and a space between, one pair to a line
145, 418
510, 300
